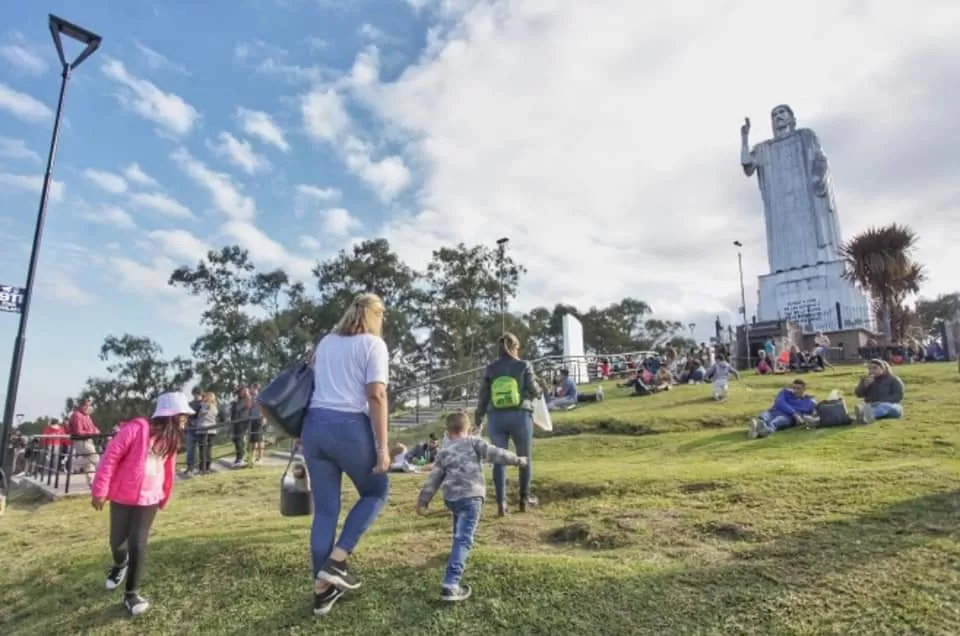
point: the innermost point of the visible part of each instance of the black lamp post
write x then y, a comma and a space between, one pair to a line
501, 257
58, 28
743, 302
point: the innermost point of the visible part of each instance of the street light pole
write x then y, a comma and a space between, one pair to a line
501, 257
58, 28
743, 301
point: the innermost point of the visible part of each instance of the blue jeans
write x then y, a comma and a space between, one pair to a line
516, 425
466, 518
191, 442
886, 410
775, 423
333, 443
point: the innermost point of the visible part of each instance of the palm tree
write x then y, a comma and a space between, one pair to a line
880, 262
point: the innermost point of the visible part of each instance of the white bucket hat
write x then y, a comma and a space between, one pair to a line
170, 404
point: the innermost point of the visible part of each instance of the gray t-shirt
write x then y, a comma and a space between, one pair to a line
459, 469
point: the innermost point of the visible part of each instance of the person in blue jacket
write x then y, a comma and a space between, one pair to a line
791, 407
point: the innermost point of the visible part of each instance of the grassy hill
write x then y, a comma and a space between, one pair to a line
693, 529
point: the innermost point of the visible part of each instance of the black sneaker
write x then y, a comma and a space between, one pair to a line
528, 502
323, 602
135, 603
336, 574
455, 594
502, 510
115, 576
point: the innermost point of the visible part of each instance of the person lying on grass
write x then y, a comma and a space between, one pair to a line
791, 407
459, 470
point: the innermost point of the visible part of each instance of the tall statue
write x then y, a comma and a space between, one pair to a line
798, 203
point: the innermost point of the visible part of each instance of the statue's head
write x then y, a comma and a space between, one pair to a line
783, 120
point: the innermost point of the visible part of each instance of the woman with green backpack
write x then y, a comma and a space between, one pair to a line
507, 392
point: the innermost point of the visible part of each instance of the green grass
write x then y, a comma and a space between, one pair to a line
694, 530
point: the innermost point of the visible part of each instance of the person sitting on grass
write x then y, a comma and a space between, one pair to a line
881, 392
692, 371
459, 470
720, 373
764, 364
791, 407
566, 393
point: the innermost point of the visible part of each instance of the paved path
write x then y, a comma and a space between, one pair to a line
79, 487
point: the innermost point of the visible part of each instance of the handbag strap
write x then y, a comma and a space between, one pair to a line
293, 455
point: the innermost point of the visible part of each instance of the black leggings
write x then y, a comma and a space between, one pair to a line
206, 450
129, 529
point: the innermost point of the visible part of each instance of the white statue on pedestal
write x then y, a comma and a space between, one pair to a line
798, 202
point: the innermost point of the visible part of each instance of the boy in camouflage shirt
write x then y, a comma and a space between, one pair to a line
459, 469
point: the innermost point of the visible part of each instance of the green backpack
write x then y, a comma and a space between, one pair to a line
505, 392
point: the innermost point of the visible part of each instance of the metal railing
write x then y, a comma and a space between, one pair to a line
423, 401
56, 459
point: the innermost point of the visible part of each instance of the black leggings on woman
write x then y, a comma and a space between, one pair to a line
129, 529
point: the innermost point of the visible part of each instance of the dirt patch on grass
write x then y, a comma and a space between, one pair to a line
696, 487
560, 491
726, 531
603, 535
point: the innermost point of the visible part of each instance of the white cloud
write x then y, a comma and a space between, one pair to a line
310, 244
149, 282
265, 251
240, 153
22, 106
339, 222
111, 215
326, 119
316, 193
63, 288
180, 244
162, 203
135, 174
366, 67
107, 181
388, 176
260, 125
227, 196
168, 110
603, 137
23, 59
324, 114
32, 183
16, 149
158, 61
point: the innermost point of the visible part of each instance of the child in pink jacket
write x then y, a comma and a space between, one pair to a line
136, 475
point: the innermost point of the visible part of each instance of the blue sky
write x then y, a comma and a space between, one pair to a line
601, 137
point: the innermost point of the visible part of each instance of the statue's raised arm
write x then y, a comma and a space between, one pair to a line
746, 157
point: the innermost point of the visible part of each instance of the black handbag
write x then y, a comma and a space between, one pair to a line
833, 413
285, 400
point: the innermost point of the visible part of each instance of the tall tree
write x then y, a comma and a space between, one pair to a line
462, 304
372, 266
880, 261
931, 312
227, 354
137, 374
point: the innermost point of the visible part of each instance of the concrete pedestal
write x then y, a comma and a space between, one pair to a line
816, 298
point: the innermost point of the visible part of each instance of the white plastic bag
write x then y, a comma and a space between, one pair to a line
541, 415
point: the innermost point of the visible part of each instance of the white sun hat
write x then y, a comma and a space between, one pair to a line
170, 404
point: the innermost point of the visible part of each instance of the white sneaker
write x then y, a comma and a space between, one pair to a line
754, 431
116, 576
135, 604
866, 413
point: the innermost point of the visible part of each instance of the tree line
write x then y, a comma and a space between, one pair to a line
439, 321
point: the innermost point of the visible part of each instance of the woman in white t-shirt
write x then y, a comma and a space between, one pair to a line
345, 431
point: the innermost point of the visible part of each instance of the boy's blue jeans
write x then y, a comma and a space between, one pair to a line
466, 518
